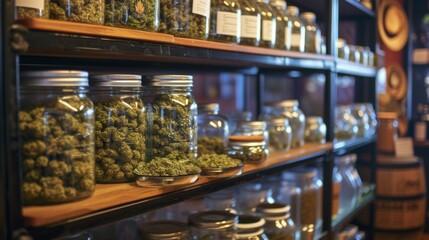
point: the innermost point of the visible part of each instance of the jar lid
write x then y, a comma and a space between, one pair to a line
284, 103
387, 115
278, 3
255, 125
115, 80
169, 81
236, 138
299, 174
248, 222
308, 16
314, 119
213, 219
293, 10
164, 230
273, 208
56, 78
210, 107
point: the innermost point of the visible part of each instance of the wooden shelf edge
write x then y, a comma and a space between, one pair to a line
113, 195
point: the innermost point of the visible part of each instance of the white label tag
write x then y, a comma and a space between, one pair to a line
404, 147
201, 7
250, 26
295, 40
267, 30
227, 23
288, 34
36, 4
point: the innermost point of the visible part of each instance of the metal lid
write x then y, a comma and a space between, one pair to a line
55, 78
299, 174
169, 81
213, 219
273, 208
387, 115
292, 10
164, 230
115, 80
256, 125
308, 16
284, 103
278, 3
246, 141
248, 222
210, 107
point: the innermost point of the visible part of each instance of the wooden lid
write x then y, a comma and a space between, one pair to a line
246, 138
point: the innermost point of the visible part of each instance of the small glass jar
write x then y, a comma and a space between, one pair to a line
268, 24
174, 117
213, 130
297, 42
32, 9
56, 123
235, 117
387, 131
250, 228
278, 221
315, 130
362, 120
120, 126
279, 134
250, 33
370, 57
345, 124
343, 49
225, 21
252, 128
249, 149
165, 230
313, 35
354, 54
283, 25
290, 110
216, 225
185, 18
336, 191
349, 188
135, 14
363, 55
372, 118
78, 11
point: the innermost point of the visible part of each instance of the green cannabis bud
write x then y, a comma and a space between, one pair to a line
208, 145
26, 12
216, 161
84, 11
136, 14
167, 168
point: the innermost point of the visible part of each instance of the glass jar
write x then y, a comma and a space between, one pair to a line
387, 131
362, 120
224, 200
250, 195
363, 55
354, 54
165, 230
213, 130
235, 117
213, 225
343, 49
56, 132
283, 25
372, 118
32, 9
297, 42
290, 110
370, 57
252, 128
120, 126
250, 33
185, 18
315, 130
135, 14
249, 149
279, 134
355, 176
250, 228
268, 24
313, 35
323, 45
78, 11
225, 21
174, 117
345, 124
349, 188
278, 221
336, 190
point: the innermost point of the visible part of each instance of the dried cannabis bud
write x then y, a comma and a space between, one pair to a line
120, 128
57, 147
166, 167
137, 14
250, 154
216, 161
268, 25
208, 145
250, 23
26, 12
84, 11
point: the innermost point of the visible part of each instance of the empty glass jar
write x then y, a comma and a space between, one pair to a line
297, 42
280, 134
165, 230
315, 130
216, 225
351, 185
250, 23
345, 124
213, 129
313, 35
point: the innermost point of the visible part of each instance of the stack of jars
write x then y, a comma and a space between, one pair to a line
354, 121
356, 54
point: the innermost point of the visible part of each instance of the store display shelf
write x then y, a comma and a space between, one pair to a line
112, 202
353, 8
342, 220
342, 147
67, 39
347, 67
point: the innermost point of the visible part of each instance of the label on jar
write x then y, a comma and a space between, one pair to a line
250, 26
227, 23
295, 40
287, 36
267, 30
201, 7
37, 4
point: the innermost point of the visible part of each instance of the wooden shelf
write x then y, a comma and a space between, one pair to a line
347, 67
113, 196
342, 147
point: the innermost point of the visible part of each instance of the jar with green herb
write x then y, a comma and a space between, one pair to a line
249, 149
120, 126
56, 132
283, 25
343, 49
79, 11
136, 14
165, 230
32, 9
250, 23
268, 24
173, 127
313, 35
185, 18
345, 123
252, 128
225, 16
250, 228
278, 221
297, 40
280, 134
213, 225
213, 130
315, 130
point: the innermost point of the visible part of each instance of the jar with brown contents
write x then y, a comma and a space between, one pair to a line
387, 131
